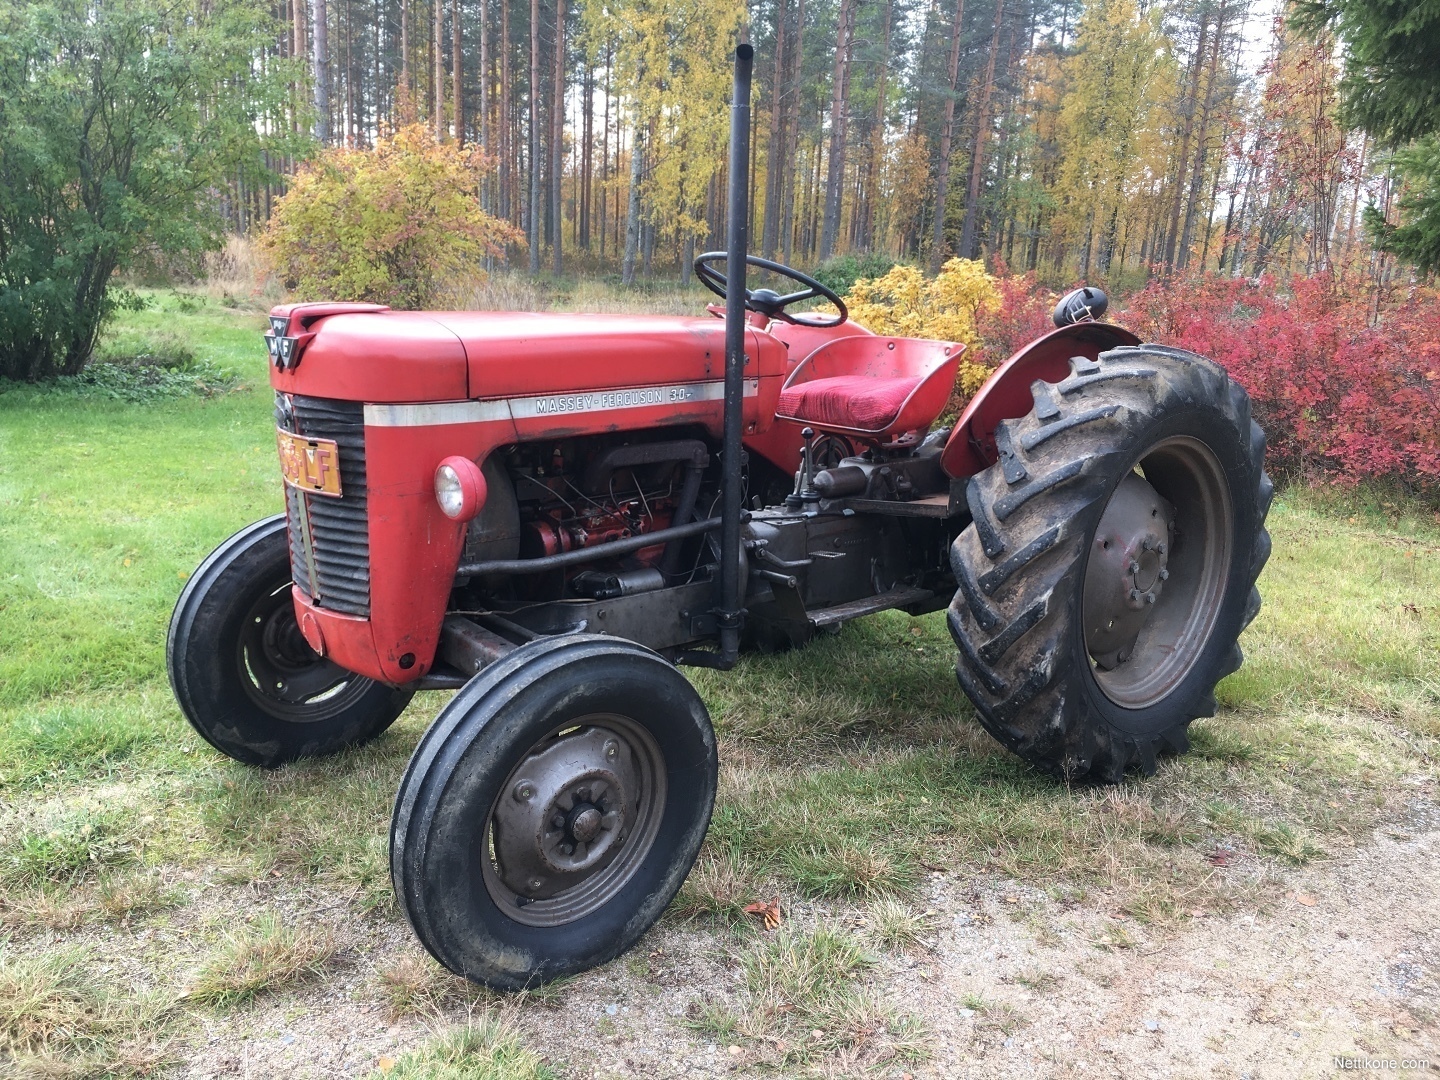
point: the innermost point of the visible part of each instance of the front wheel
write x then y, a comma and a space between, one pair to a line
243, 673
553, 810
1111, 562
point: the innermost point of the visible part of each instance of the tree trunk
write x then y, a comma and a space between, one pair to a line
971, 227
437, 69
407, 97
605, 158
775, 154
299, 51
947, 135
457, 73
1197, 171
557, 143
380, 90
839, 108
1172, 236
351, 123
507, 146
865, 233
483, 127
320, 58
534, 220
632, 212
587, 92
791, 167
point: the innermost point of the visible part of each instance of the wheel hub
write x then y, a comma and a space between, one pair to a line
281, 672
1127, 570
567, 814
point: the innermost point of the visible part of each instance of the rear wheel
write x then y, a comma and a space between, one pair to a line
243, 673
553, 810
1111, 563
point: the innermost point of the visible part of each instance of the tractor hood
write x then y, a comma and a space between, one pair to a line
518, 353
378, 355
369, 355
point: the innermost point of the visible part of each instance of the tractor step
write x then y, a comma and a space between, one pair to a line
932, 506
868, 605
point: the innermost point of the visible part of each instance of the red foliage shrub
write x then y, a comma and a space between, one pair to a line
1022, 315
1337, 395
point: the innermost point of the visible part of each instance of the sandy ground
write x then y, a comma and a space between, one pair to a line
1342, 974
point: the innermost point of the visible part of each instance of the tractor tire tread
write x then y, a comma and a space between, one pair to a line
1020, 563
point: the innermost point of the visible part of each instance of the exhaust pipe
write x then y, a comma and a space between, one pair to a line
731, 613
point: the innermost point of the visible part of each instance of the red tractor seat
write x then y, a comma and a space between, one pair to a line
875, 388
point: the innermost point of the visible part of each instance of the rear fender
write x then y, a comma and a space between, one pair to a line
1006, 395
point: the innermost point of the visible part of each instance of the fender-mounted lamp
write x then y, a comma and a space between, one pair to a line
460, 488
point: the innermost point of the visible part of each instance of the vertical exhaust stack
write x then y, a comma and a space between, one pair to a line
732, 588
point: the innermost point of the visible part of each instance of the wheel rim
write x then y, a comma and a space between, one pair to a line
281, 672
574, 820
1157, 571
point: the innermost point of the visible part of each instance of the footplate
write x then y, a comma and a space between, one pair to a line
868, 605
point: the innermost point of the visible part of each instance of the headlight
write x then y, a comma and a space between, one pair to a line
459, 488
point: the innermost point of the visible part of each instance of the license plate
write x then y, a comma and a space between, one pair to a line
311, 465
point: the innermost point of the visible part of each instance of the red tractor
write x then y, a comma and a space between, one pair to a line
547, 513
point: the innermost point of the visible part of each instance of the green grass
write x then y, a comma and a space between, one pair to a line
851, 771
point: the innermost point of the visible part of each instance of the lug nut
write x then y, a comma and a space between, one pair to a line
1134, 594
1164, 574
1149, 598
558, 821
567, 849
1134, 567
611, 748
1160, 549
524, 791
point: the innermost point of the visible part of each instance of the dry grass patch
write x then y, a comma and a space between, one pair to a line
506, 291
486, 1048
260, 958
415, 984
73, 843
1036, 979
716, 890
897, 926
56, 1020
805, 1004
117, 896
998, 1019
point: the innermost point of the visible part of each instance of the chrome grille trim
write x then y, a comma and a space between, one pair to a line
329, 537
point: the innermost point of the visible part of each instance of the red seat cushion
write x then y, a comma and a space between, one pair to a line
848, 401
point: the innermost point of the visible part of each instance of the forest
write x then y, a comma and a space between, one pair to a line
1258, 179
1105, 139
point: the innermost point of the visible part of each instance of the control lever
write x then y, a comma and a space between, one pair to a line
805, 492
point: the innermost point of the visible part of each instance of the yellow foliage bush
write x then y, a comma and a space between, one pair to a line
393, 225
904, 303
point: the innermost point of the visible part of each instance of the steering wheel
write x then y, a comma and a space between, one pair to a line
767, 301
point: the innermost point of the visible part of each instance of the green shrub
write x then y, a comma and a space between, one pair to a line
117, 120
841, 272
393, 225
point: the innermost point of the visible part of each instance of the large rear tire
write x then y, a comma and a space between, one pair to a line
1111, 562
553, 810
242, 672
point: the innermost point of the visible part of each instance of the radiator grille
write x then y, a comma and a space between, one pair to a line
329, 537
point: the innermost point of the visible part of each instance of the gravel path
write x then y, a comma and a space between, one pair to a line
1008, 982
